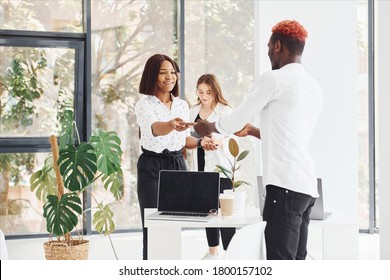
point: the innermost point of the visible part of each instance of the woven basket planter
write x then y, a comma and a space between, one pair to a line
62, 250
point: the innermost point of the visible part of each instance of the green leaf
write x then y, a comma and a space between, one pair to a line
67, 129
239, 183
224, 170
77, 166
233, 147
108, 151
43, 182
243, 155
62, 215
114, 184
102, 220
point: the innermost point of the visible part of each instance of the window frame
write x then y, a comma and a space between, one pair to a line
36, 39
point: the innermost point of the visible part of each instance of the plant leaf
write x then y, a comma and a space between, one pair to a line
61, 215
114, 183
77, 166
108, 151
243, 155
224, 170
102, 219
43, 182
67, 130
233, 147
239, 183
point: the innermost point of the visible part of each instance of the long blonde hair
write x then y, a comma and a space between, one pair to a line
212, 82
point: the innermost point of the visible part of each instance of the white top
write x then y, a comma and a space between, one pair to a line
288, 102
221, 155
149, 110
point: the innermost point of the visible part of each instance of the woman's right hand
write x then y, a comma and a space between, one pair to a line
178, 124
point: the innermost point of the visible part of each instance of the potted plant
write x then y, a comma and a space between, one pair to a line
65, 175
234, 150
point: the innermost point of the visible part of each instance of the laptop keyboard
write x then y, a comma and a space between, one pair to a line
184, 214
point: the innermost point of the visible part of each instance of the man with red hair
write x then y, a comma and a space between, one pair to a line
287, 101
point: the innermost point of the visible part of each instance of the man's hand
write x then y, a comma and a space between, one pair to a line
248, 130
204, 128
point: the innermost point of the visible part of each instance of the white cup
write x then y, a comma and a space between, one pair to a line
226, 202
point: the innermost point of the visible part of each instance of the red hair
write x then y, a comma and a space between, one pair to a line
290, 28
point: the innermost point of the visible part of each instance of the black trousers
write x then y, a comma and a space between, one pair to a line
212, 235
226, 235
287, 215
148, 168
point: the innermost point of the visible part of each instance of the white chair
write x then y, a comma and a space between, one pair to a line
248, 243
3, 247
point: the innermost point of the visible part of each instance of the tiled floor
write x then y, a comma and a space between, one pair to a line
128, 246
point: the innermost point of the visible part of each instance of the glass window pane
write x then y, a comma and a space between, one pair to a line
36, 84
38, 15
363, 137
220, 39
20, 210
120, 47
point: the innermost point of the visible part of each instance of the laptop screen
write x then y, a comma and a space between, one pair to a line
188, 191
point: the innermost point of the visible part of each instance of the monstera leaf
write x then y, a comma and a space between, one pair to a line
67, 129
61, 215
77, 166
102, 219
108, 151
43, 182
114, 184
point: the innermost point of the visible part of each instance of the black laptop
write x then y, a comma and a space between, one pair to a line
318, 212
187, 196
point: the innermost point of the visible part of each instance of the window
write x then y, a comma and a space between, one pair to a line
43, 68
38, 15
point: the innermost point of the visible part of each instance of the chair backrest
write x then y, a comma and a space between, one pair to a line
248, 243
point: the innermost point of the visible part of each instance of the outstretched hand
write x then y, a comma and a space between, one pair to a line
179, 124
248, 130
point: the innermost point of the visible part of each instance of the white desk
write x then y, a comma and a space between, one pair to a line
334, 238
164, 237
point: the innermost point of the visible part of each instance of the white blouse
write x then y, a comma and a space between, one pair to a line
149, 110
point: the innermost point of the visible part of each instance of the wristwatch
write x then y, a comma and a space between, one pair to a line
199, 145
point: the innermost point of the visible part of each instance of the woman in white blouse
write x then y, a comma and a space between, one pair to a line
211, 105
164, 130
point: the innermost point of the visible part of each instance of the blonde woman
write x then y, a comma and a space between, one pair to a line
210, 106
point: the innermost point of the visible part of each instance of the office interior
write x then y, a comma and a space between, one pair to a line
93, 52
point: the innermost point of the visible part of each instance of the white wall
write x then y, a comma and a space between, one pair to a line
331, 57
383, 99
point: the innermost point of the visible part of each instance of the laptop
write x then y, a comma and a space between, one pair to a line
317, 212
187, 196
225, 184
260, 194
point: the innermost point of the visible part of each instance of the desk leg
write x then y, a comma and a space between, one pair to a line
340, 242
164, 243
